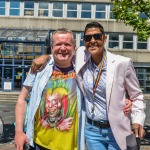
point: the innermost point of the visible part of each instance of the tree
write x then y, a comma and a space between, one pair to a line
135, 13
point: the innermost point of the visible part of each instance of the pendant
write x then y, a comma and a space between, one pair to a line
92, 109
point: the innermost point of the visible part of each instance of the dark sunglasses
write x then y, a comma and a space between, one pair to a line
98, 36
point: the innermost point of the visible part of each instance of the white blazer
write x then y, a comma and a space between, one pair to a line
120, 77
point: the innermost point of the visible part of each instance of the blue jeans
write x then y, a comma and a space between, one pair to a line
99, 138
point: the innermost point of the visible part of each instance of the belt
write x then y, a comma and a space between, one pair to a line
100, 124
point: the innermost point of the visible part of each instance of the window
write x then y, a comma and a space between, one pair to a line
141, 44
140, 76
148, 77
128, 41
148, 70
147, 80
140, 70
72, 10
29, 8
43, 9
114, 40
81, 39
86, 10
111, 16
2, 7
143, 75
100, 11
57, 9
14, 9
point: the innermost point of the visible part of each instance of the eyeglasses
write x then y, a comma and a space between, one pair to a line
98, 36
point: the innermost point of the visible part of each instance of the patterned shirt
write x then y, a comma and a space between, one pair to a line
99, 101
56, 118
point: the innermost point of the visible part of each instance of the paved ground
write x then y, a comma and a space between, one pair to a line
7, 113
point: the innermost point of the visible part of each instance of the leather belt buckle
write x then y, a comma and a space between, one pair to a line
103, 124
100, 124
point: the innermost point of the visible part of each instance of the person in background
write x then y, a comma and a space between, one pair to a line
104, 79
56, 113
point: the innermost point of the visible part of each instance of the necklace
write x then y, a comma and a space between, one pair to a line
97, 78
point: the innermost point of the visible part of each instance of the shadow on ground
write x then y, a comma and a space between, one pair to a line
8, 133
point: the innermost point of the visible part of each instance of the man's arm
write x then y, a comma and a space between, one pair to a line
39, 63
138, 103
20, 111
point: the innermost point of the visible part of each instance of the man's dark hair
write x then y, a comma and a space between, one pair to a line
94, 25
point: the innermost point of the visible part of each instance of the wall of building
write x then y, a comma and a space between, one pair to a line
139, 56
54, 23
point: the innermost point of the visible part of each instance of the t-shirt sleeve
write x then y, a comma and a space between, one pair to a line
29, 81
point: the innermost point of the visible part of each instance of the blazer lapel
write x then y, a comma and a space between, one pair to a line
82, 57
109, 76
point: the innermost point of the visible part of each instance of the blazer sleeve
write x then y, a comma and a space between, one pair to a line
136, 95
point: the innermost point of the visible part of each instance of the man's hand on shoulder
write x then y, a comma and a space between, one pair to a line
39, 63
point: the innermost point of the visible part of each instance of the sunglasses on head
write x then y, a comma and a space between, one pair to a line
97, 36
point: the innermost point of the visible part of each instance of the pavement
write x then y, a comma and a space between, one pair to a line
7, 113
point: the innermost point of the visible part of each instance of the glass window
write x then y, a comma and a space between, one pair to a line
28, 51
37, 49
100, 11
8, 73
29, 8
148, 77
72, 10
43, 9
57, 9
141, 70
81, 39
148, 70
14, 9
2, 7
128, 41
7, 49
140, 76
148, 83
74, 34
147, 89
86, 10
142, 44
114, 40
111, 16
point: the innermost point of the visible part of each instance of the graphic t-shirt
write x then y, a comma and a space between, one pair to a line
56, 119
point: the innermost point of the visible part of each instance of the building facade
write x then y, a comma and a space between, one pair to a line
45, 16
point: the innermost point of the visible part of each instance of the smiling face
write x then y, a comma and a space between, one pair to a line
95, 46
63, 48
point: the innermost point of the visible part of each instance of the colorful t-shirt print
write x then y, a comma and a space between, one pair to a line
56, 118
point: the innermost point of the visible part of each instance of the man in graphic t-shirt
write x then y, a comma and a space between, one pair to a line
52, 112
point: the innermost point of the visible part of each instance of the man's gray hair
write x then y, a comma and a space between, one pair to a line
63, 31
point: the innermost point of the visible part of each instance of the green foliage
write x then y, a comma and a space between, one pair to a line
135, 13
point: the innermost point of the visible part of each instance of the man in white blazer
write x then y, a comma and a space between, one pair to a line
104, 78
